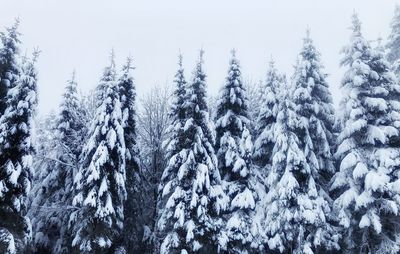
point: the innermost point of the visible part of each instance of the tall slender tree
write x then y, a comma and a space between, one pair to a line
367, 194
194, 196
53, 191
133, 228
234, 149
174, 144
16, 150
99, 184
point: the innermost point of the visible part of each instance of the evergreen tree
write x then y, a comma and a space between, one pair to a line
313, 107
367, 182
174, 144
52, 194
194, 196
313, 103
234, 148
393, 45
10, 68
99, 184
295, 218
266, 118
133, 230
16, 150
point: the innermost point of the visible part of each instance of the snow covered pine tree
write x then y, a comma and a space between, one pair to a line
313, 105
100, 182
133, 230
194, 193
52, 192
174, 145
296, 207
234, 151
16, 152
367, 183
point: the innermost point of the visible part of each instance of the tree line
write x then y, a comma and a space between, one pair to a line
264, 168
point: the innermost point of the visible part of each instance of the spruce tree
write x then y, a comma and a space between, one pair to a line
16, 150
173, 145
234, 149
296, 212
266, 118
194, 196
313, 103
367, 182
393, 45
314, 108
133, 230
99, 184
10, 68
53, 192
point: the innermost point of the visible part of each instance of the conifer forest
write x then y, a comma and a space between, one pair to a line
263, 167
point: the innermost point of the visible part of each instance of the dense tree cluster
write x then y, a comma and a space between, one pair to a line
272, 168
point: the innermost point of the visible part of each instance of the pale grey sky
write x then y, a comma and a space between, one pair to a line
76, 34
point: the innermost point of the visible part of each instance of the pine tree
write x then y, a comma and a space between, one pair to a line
393, 45
10, 68
16, 150
133, 230
173, 145
194, 196
367, 182
99, 184
295, 218
52, 192
267, 117
234, 150
313, 106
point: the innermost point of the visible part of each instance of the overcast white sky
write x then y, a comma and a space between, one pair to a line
75, 34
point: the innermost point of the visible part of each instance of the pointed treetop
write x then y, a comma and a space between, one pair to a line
201, 54
307, 38
180, 60
271, 62
72, 80
11, 37
110, 70
233, 53
13, 30
73, 75
112, 58
128, 65
356, 24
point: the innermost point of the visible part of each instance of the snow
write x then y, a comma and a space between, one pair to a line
243, 200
